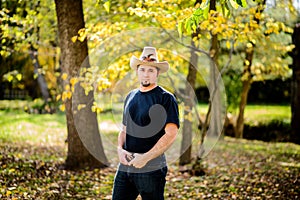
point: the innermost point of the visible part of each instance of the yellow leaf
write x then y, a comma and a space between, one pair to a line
62, 107
8, 193
10, 78
96, 109
204, 24
74, 38
58, 97
67, 87
12, 170
249, 45
247, 62
64, 96
80, 106
73, 81
19, 77
81, 38
69, 94
228, 44
257, 15
64, 76
257, 71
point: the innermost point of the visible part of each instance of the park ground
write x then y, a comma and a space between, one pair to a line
33, 151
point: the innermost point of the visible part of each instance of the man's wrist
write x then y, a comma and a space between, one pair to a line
149, 156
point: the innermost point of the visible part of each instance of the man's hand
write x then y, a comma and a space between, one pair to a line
124, 156
139, 160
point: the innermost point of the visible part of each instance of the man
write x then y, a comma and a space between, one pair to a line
150, 125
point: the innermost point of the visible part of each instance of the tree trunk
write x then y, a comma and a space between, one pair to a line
295, 104
197, 168
84, 134
215, 96
40, 78
246, 84
187, 130
239, 129
247, 79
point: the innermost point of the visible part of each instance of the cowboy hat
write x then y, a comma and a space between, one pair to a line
149, 57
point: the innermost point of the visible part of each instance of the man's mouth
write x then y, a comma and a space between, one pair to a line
145, 83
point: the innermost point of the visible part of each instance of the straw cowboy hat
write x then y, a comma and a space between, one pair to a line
149, 57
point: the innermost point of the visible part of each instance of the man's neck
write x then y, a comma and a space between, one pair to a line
146, 89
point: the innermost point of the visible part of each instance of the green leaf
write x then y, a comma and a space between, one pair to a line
179, 29
198, 12
188, 26
194, 27
107, 6
205, 12
242, 3
228, 9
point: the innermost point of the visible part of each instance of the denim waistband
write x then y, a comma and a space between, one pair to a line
155, 164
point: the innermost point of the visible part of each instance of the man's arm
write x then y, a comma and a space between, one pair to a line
121, 152
122, 137
140, 160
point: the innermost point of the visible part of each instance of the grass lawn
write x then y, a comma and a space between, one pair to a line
33, 150
262, 113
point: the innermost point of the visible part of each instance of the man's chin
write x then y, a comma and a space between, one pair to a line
146, 84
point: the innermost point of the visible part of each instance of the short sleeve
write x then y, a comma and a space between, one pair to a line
171, 107
124, 117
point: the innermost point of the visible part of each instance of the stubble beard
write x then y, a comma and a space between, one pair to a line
145, 84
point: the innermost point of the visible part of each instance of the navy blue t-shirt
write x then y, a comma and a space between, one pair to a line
145, 116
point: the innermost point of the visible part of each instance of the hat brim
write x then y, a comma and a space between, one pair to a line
135, 62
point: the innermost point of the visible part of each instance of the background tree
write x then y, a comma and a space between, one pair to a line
247, 74
28, 33
73, 56
265, 33
187, 128
33, 52
296, 86
242, 31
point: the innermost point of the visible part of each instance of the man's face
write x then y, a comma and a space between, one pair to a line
147, 75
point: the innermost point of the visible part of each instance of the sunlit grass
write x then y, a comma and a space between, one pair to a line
17, 126
268, 112
261, 113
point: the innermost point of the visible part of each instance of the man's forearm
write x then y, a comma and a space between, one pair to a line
121, 137
163, 143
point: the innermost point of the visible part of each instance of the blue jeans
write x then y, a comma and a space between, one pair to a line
150, 185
